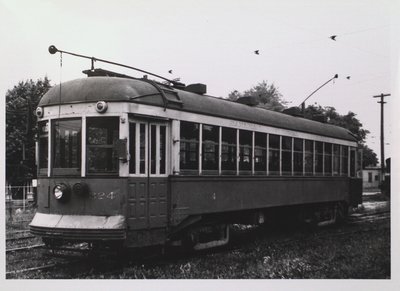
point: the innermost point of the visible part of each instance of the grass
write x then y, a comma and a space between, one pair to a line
18, 218
375, 197
356, 256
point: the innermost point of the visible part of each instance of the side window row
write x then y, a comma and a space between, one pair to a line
213, 150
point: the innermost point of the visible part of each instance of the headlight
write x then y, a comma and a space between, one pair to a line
61, 192
39, 112
80, 189
101, 107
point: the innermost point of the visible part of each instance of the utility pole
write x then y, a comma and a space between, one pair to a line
382, 134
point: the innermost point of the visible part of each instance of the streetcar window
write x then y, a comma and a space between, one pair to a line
260, 153
43, 133
157, 149
144, 142
336, 160
308, 157
153, 148
102, 133
210, 151
319, 158
328, 158
189, 147
245, 151
286, 155
274, 154
298, 156
228, 151
163, 150
142, 148
66, 136
132, 148
352, 162
345, 160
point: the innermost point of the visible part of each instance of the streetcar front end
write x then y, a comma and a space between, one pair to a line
81, 196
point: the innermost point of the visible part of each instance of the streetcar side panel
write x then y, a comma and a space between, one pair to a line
205, 195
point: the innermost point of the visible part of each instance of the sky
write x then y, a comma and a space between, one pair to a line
213, 42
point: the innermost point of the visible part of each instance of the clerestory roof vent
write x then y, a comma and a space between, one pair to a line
197, 88
248, 100
294, 111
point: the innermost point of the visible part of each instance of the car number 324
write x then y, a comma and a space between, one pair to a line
102, 195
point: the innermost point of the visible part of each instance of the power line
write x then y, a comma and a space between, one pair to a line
367, 29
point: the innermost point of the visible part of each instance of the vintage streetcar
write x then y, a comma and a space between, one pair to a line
131, 162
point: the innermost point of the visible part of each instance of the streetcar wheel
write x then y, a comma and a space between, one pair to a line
51, 243
341, 212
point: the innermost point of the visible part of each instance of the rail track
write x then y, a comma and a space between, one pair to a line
26, 248
62, 258
41, 268
18, 231
52, 259
368, 217
20, 238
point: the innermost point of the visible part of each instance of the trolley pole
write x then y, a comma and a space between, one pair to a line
303, 104
382, 134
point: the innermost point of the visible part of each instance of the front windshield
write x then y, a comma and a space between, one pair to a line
67, 146
43, 144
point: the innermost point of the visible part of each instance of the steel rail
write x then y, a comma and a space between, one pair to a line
24, 248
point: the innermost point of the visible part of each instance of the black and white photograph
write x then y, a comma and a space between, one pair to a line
194, 145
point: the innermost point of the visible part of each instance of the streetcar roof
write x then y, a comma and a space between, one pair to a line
114, 89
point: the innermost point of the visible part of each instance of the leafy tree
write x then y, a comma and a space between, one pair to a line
369, 157
268, 95
21, 128
234, 95
348, 121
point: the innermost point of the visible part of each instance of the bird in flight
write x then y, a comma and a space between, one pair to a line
170, 71
257, 52
333, 37
348, 77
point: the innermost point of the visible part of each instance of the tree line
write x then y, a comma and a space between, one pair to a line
21, 129
269, 97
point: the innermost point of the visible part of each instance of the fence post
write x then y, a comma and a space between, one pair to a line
34, 191
23, 196
30, 192
10, 210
